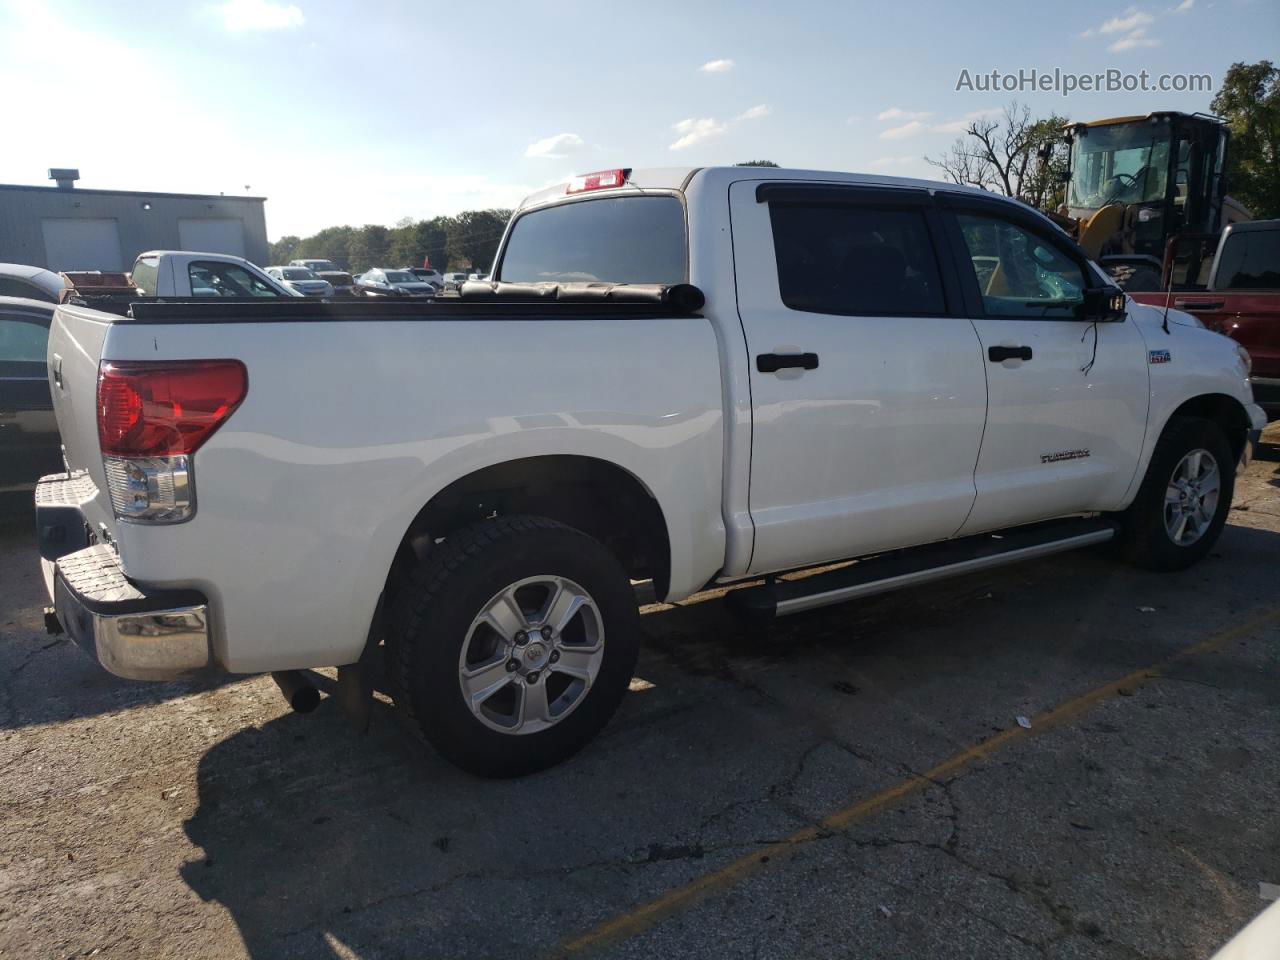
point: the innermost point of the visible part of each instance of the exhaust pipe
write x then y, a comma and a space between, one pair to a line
297, 689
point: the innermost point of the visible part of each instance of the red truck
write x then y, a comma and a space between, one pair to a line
1239, 295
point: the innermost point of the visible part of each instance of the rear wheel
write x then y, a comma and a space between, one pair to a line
512, 646
1182, 505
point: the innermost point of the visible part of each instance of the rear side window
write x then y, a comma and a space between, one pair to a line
855, 260
1249, 261
611, 239
145, 274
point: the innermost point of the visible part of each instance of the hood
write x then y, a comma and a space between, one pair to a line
1149, 316
420, 286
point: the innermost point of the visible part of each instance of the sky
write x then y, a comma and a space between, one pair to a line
371, 112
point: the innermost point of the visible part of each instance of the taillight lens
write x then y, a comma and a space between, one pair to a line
151, 417
600, 180
167, 408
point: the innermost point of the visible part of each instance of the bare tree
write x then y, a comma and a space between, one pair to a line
1015, 154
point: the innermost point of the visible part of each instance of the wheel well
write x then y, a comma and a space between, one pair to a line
597, 497
1223, 410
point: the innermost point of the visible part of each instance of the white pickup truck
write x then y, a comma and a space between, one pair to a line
690, 377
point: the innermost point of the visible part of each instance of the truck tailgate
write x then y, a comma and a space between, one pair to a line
76, 340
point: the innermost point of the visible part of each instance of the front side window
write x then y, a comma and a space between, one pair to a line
1019, 273
632, 239
1248, 261
855, 260
1121, 163
212, 279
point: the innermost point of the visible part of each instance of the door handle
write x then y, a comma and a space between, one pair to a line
999, 354
1199, 304
773, 362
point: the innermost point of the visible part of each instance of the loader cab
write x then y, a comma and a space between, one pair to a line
1160, 174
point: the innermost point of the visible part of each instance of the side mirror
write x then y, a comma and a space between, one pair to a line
1103, 305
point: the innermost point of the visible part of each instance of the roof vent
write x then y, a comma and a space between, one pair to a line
65, 176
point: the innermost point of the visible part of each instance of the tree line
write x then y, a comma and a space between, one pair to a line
467, 241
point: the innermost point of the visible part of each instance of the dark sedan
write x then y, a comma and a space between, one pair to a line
29, 442
380, 282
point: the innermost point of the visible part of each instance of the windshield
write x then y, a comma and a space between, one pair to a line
400, 276
320, 265
1124, 163
617, 240
298, 273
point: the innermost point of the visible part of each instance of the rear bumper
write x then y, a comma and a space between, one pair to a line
133, 632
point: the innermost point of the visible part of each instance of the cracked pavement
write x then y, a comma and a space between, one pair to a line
181, 820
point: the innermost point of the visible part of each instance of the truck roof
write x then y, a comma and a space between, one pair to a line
679, 178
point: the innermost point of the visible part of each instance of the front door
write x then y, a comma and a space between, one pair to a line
867, 383
1067, 398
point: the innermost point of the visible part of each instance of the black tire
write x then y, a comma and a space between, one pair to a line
433, 613
1145, 539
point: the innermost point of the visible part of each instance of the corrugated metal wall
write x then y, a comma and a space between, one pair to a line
141, 222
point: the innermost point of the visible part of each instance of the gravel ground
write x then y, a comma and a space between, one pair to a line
852, 783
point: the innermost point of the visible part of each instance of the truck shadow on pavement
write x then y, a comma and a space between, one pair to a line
322, 843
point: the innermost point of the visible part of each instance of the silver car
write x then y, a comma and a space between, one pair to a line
302, 281
380, 282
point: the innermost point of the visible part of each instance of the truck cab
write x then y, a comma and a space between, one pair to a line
181, 273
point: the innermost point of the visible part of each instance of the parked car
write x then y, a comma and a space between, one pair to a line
431, 276
31, 283
380, 282
302, 281
826, 380
327, 270
452, 281
1240, 298
29, 444
181, 273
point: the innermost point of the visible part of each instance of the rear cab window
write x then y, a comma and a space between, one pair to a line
146, 274
631, 239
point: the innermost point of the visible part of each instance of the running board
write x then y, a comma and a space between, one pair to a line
917, 565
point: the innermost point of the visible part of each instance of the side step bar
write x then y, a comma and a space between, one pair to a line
917, 565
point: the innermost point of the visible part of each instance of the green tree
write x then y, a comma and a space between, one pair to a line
1249, 100
411, 242
368, 247
473, 237
756, 163
283, 250
331, 243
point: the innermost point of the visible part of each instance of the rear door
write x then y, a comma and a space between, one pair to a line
867, 383
1067, 399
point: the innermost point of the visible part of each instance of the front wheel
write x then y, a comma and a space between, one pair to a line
1182, 505
513, 645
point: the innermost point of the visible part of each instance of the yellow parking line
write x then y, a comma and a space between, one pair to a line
681, 898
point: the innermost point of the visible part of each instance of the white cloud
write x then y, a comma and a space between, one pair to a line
717, 66
906, 130
241, 16
961, 123
695, 131
883, 162
756, 112
1138, 38
554, 148
1088, 33
1183, 7
1132, 20
897, 113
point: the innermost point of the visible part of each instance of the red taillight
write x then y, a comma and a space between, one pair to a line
165, 408
600, 180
